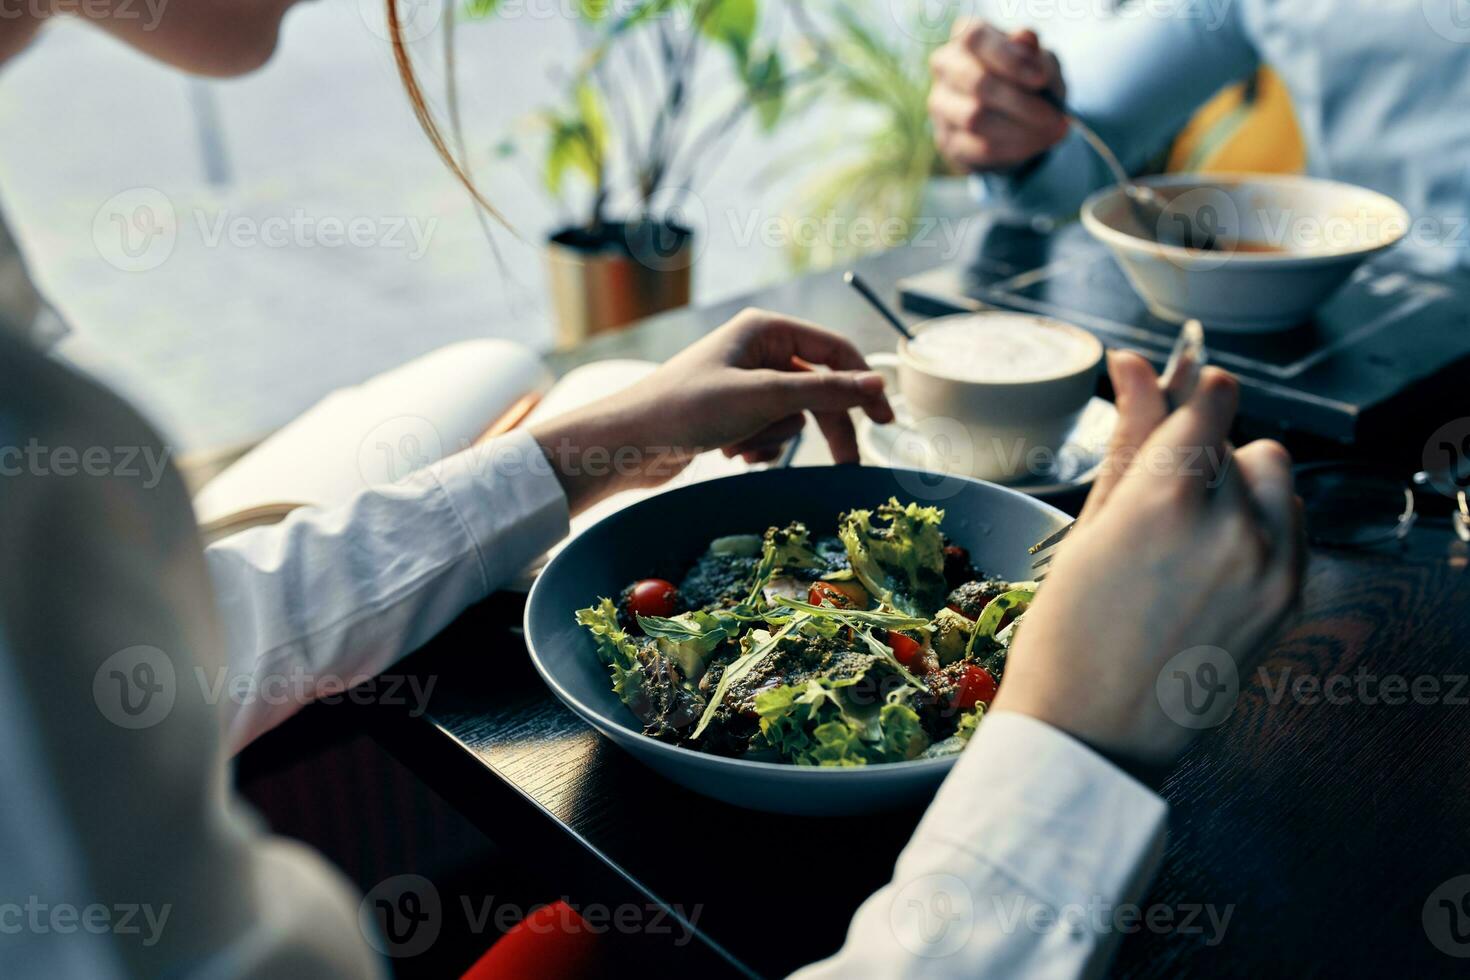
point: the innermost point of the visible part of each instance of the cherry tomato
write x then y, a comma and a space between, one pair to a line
843, 595
653, 597
906, 650
974, 686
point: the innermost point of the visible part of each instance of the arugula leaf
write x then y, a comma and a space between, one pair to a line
897, 553
761, 643
858, 617
885, 653
689, 638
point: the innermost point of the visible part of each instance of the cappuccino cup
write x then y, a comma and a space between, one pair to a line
993, 395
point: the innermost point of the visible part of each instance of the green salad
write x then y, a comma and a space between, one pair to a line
877, 644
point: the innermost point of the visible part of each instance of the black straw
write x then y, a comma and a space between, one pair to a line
856, 282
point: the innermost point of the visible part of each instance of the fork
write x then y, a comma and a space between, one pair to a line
1178, 381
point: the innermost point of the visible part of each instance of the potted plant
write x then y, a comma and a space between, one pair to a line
886, 178
628, 130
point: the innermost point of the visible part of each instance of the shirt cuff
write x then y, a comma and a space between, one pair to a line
1057, 818
507, 495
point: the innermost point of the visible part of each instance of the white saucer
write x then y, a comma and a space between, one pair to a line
925, 446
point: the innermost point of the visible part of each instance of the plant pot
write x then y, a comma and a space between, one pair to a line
603, 281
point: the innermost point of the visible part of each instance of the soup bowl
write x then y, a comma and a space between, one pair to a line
1283, 245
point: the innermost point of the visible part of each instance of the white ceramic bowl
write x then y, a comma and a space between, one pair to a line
1315, 233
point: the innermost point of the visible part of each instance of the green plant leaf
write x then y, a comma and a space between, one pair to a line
730, 22
765, 86
577, 142
642, 13
479, 9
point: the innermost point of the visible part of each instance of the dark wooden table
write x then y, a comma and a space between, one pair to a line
1320, 824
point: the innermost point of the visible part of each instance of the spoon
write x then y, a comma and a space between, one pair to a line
1149, 206
884, 310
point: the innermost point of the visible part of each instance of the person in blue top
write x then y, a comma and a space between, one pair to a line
1380, 89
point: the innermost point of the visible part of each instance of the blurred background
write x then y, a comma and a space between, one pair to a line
264, 177
227, 252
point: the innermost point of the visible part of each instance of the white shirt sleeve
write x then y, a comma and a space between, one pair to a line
329, 598
1136, 76
1018, 869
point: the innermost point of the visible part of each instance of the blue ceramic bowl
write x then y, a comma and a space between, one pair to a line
662, 535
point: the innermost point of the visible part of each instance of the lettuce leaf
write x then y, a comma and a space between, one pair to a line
956, 743
903, 735
995, 611
897, 553
837, 742
615, 648
690, 638
808, 726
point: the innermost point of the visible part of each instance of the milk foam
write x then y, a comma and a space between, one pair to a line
1001, 347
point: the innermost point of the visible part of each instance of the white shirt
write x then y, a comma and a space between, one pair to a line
1379, 88
120, 642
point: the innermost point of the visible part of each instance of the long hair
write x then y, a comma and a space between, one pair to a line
425, 115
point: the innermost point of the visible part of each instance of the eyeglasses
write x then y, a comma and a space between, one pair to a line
1353, 505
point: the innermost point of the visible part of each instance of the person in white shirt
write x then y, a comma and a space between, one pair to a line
115, 764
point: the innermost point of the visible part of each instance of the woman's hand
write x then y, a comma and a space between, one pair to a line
983, 103
744, 389
1185, 545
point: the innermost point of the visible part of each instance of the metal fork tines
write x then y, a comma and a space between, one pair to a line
1178, 381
